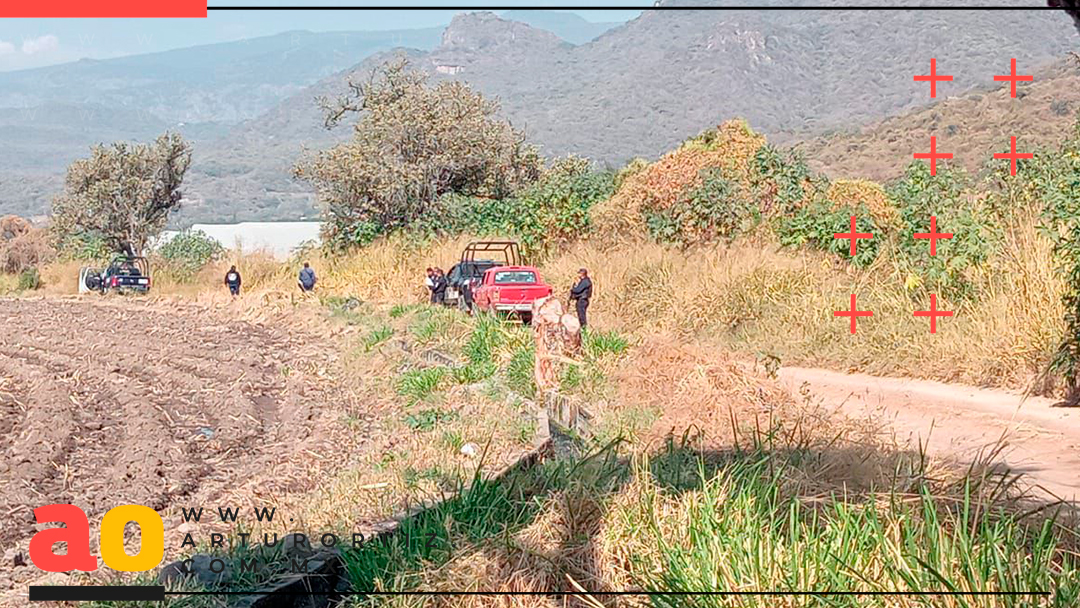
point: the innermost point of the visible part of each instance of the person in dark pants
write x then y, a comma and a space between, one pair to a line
232, 280
439, 292
307, 278
580, 294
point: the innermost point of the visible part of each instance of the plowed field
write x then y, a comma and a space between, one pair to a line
120, 401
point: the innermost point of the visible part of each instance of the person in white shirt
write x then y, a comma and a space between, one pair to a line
429, 282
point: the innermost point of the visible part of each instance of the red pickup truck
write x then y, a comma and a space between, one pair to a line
510, 289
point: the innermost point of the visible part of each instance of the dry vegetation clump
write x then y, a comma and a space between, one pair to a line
22, 245
853, 193
686, 386
729, 148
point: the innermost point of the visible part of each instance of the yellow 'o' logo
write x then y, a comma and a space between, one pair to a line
152, 530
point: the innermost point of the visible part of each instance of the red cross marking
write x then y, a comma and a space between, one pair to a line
1013, 77
933, 155
853, 236
933, 77
853, 313
933, 313
933, 235
1013, 156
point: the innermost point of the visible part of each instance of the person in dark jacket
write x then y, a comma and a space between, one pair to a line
307, 278
439, 292
232, 280
580, 294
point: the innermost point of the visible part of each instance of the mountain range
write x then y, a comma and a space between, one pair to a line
604, 91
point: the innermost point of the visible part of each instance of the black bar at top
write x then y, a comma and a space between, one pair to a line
104, 593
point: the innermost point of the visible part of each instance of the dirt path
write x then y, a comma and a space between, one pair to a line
960, 421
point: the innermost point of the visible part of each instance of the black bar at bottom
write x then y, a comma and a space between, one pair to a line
105, 593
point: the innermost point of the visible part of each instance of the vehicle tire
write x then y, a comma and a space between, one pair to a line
526, 318
93, 281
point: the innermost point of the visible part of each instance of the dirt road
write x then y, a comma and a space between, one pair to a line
960, 421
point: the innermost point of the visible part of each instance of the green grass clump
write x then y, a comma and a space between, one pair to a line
486, 338
426, 420
420, 384
519, 371
753, 520
474, 372
377, 336
602, 343
29, 279
744, 526
400, 310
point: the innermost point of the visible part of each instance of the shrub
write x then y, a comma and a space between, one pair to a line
556, 209
22, 247
1053, 178
189, 251
553, 210
85, 246
861, 193
781, 180
459, 213
817, 224
651, 191
29, 279
918, 196
712, 211
635, 166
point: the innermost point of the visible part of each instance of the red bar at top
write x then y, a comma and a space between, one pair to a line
103, 8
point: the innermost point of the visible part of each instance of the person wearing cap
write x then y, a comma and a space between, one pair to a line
580, 294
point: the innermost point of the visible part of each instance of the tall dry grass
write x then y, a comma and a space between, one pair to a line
750, 295
764, 300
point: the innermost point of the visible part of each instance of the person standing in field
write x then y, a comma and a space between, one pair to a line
307, 278
232, 280
439, 293
580, 294
429, 282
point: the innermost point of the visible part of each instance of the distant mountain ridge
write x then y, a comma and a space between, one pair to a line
640, 88
50, 116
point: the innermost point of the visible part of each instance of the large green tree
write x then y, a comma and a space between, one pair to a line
413, 143
122, 193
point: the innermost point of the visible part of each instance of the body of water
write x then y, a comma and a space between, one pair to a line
276, 238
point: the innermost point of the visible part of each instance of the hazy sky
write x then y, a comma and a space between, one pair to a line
26, 43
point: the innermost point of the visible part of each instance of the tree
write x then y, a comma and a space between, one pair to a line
123, 193
412, 144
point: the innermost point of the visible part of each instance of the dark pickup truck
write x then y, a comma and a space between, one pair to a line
124, 274
477, 258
